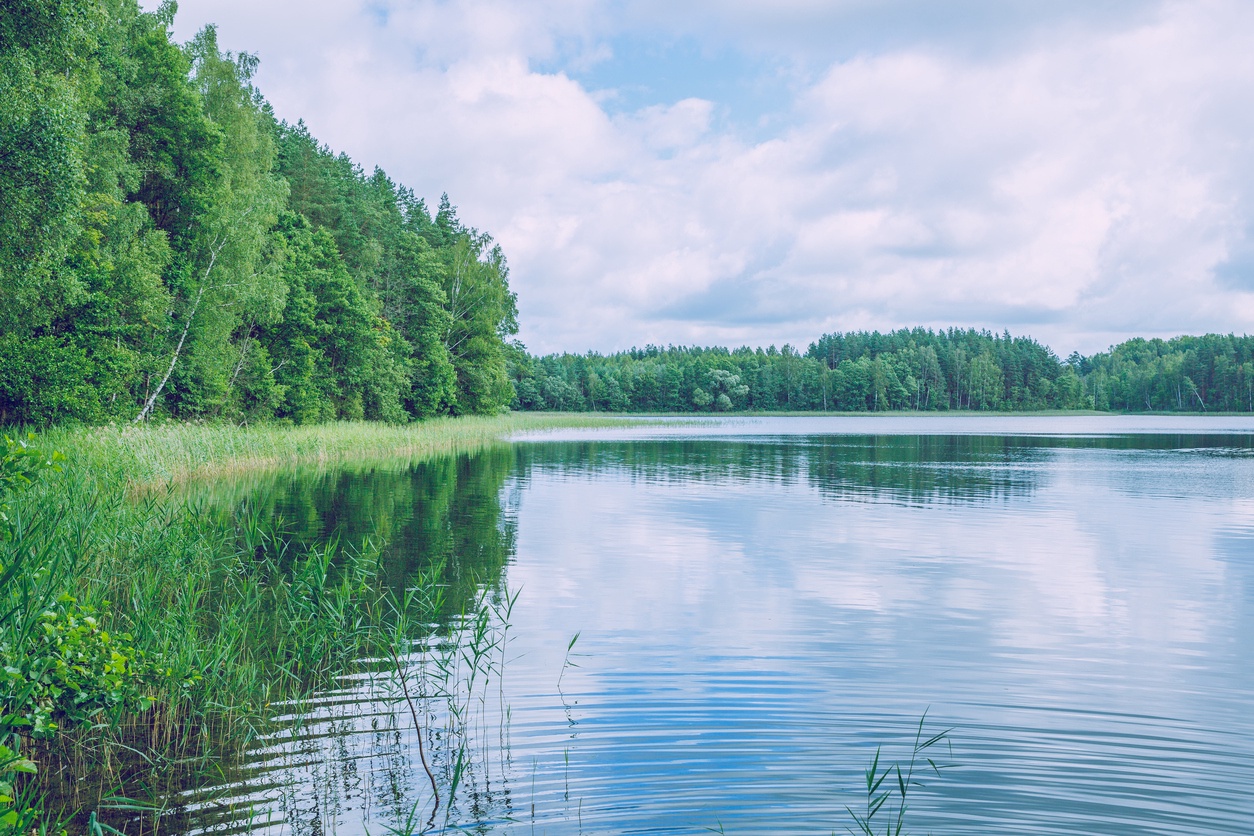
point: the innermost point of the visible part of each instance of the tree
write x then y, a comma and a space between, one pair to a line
726, 389
45, 78
224, 276
482, 315
986, 382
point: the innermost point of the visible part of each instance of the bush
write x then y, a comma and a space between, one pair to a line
72, 670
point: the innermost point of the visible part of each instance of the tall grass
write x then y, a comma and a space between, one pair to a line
205, 593
148, 457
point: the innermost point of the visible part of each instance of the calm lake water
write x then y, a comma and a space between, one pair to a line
760, 603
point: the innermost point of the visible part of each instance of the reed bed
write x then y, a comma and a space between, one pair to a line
149, 457
220, 622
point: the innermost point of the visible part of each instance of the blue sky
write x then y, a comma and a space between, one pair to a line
735, 172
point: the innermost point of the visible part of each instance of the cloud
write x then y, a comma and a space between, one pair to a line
1076, 171
831, 30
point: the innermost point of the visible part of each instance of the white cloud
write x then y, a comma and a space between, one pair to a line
1082, 185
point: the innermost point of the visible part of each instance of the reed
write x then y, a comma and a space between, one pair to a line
889, 786
149, 458
228, 624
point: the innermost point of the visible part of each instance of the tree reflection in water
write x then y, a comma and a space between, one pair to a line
346, 760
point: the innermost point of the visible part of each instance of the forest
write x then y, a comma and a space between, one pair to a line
907, 369
169, 248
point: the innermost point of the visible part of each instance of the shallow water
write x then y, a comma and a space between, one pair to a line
760, 603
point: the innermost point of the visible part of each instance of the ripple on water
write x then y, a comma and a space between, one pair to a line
758, 614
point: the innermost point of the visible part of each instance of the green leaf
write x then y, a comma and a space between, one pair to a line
23, 766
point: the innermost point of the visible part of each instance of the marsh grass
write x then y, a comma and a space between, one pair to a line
442, 680
150, 458
242, 624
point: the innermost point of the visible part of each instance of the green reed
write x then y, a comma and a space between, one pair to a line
889, 786
210, 596
147, 457
454, 665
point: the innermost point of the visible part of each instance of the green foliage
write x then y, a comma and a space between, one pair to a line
229, 610
483, 315
46, 379
15, 815
44, 81
73, 670
21, 594
334, 356
20, 465
151, 254
862, 372
1211, 373
913, 369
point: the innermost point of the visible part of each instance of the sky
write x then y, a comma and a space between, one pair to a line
727, 172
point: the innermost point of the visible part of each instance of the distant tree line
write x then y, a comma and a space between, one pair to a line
1212, 373
169, 248
910, 369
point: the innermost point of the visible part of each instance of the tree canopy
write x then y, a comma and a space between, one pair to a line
170, 248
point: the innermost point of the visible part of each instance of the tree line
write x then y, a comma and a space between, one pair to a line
1211, 373
168, 247
907, 369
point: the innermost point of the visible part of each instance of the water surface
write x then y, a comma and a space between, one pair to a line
760, 603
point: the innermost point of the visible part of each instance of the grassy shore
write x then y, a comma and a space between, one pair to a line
147, 457
155, 633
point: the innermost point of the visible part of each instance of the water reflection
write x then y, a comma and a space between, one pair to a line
757, 614
346, 755
449, 512
910, 469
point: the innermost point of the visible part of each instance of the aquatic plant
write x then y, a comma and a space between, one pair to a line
148, 458
885, 795
219, 622
453, 670
28, 580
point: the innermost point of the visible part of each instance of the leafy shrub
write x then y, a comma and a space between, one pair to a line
20, 464
73, 670
12, 816
60, 669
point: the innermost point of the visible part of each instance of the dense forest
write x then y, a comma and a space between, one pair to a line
1213, 373
169, 248
916, 369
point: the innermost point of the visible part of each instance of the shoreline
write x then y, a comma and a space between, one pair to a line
147, 458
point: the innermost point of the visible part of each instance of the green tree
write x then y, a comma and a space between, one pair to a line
986, 382
483, 314
224, 277
45, 78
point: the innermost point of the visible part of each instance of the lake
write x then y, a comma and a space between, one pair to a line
715, 624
